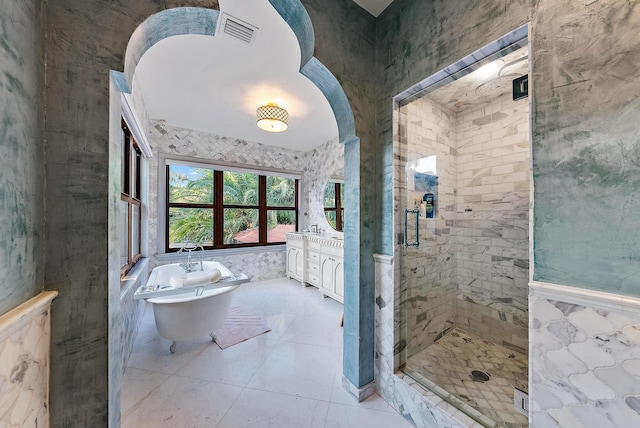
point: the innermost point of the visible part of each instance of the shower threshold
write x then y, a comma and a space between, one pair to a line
476, 376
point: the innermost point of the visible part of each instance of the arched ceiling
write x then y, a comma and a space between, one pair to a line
215, 83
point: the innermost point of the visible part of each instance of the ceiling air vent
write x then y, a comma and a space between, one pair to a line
241, 30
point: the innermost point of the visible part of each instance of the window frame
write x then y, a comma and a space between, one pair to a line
131, 193
218, 205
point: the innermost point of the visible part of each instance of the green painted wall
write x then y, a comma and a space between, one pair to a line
21, 152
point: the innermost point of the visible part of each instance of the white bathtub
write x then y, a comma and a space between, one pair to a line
189, 312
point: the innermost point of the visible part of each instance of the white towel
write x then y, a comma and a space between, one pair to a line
193, 279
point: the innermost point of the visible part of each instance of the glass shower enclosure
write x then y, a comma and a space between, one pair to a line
464, 216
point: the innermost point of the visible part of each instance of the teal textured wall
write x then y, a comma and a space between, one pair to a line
345, 44
21, 152
586, 145
86, 39
585, 85
416, 39
585, 133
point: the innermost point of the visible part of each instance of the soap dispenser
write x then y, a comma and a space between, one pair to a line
429, 202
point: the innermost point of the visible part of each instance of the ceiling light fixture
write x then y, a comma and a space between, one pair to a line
272, 118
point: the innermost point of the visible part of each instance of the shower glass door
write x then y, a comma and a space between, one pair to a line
464, 217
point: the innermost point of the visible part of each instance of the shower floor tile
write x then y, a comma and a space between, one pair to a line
449, 364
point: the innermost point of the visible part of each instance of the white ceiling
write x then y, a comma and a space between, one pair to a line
215, 84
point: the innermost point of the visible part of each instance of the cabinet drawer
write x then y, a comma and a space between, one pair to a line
313, 245
313, 279
313, 257
334, 251
313, 269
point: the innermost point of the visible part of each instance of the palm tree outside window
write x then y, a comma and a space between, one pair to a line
220, 208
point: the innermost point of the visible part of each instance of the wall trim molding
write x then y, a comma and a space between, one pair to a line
19, 316
383, 258
585, 297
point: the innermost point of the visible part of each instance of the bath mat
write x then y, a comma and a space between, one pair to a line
239, 326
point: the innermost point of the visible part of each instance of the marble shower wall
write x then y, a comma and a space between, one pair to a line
471, 268
492, 220
315, 168
430, 269
421, 407
584, 358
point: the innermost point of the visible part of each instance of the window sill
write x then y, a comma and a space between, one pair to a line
130, 280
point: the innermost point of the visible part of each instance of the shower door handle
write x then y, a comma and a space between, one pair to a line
415, 211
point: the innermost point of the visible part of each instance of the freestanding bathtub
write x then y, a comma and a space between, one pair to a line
189, 312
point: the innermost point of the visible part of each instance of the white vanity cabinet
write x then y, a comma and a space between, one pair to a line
322, 263
332, 271
295, 256
312, 268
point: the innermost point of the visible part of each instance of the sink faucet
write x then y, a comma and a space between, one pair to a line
314, 229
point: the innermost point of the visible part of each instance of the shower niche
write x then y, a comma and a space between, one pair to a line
464, 287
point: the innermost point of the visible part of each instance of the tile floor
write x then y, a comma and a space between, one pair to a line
450, 361
289, 377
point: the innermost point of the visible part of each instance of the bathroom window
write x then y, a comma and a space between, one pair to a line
130, 201
333, 204
228, 207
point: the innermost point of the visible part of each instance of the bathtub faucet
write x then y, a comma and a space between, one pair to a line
188, 265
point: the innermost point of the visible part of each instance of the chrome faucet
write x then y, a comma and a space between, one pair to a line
314, 229
188, 265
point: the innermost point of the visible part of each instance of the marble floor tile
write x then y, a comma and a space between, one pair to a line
317, 329
153, 354
235, 365
136, 385
344, 416
279, 323
290, 377
298, 369
262, 409
183, 402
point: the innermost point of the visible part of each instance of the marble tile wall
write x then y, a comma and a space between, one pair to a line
431, 267
492, 221
477, 246
131, 310
315, 167
419, 406
25, 334
584, 358
257, 263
